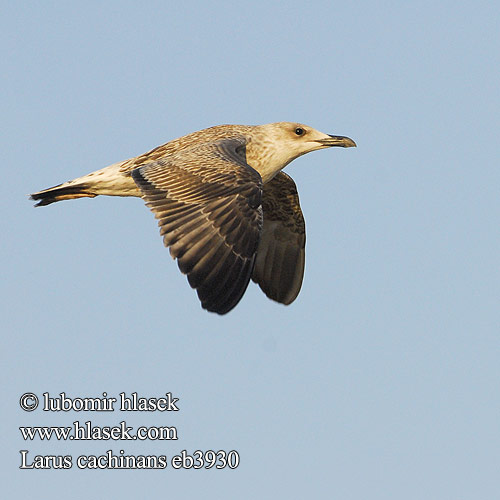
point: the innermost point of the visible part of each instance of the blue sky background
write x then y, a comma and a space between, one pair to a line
382, 379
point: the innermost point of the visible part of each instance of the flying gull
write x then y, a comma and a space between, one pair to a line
225, 210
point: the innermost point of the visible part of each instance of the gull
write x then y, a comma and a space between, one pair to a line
225, 209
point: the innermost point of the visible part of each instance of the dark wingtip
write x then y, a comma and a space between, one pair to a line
41, 201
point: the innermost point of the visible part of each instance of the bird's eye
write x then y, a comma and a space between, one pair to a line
299, 131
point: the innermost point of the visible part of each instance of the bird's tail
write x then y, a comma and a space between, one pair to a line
62, 192
111, 181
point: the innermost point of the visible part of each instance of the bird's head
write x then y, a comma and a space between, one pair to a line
282, 142
300, 139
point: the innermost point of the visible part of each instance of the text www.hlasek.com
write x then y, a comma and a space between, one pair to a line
87, 431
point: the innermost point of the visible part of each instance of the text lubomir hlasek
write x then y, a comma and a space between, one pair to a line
132, 402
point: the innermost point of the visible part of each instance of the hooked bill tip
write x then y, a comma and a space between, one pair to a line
340, 141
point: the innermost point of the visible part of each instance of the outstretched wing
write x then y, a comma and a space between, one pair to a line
207, 200
279, 267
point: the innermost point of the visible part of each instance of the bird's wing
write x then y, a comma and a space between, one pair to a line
279, 267
208, 204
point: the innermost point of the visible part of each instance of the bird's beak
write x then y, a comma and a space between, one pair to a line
337, 140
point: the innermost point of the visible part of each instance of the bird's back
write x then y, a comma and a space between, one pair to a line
211, 134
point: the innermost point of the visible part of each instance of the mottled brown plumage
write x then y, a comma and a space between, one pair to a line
225, 210
279, 267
